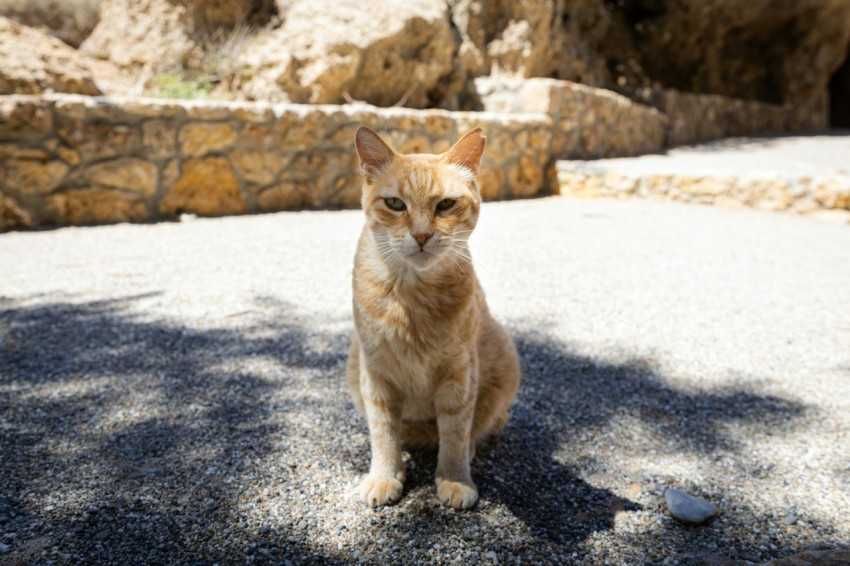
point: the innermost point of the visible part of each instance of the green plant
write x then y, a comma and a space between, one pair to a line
173, 85
209, 70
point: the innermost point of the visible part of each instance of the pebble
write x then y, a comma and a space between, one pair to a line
687, 508
4, 548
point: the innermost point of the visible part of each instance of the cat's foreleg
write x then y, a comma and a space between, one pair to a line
455, 410
385, 482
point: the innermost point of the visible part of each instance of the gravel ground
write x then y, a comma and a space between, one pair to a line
175, 393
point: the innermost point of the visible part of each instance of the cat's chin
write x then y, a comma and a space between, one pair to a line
421, 259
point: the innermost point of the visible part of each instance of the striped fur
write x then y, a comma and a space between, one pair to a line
428, 364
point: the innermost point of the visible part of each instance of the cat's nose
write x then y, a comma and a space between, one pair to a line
422, 237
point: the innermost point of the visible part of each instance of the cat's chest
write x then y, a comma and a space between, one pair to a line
416, 325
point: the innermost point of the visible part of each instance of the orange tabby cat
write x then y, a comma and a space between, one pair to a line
428, 363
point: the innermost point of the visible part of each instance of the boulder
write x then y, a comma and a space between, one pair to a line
141, 33
537, 38
162, 35
32, 62
381, 52
71, 21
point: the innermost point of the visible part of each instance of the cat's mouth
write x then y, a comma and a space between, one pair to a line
421, 257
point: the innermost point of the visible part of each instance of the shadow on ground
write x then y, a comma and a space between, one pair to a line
126, 439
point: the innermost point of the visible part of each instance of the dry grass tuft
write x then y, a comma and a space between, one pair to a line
210, 69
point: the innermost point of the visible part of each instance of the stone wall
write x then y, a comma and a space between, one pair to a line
697, 118
620, 127
80, 160
68, 159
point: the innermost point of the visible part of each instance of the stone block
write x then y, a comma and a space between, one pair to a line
207, 187
68, 155
12, 215
256, 157
704, 185
200, 138
252, 113
525, 177
298, 130
766, 194
347, 191
833, 192
158, 138
207, 110
257, 166
491, 183
287, 195
24, 118
94, 205
27, 170
128, 173
99, 140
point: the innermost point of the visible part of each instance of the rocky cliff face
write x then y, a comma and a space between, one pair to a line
767, 50
427, 53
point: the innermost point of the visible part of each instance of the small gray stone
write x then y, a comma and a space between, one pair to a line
687, 508
4, 548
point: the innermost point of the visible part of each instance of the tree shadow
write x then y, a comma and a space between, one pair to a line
567, 403
567, 410
127, 439
587, 394
138, 440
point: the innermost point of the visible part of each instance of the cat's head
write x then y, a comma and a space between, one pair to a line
420, 208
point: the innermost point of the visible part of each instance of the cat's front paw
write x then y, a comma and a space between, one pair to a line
460, 495
379, 490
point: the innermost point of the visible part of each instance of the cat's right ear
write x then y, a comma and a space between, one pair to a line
374, 154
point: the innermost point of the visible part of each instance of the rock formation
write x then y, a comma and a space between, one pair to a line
31, 61
383, 53
427, 53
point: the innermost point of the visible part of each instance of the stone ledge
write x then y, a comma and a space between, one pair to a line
805, 175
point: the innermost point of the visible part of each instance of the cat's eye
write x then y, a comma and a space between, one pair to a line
395, 204
445, 204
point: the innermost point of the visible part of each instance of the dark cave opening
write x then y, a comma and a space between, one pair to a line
839, 96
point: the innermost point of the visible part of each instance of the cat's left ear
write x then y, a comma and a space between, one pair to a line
468, 150
374, 154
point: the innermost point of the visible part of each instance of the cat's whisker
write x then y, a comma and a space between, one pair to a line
461, 254
387, 256
462, 270
386, 251
459, 243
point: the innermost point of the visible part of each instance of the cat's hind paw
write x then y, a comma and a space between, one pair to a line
459, 495
378, 490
